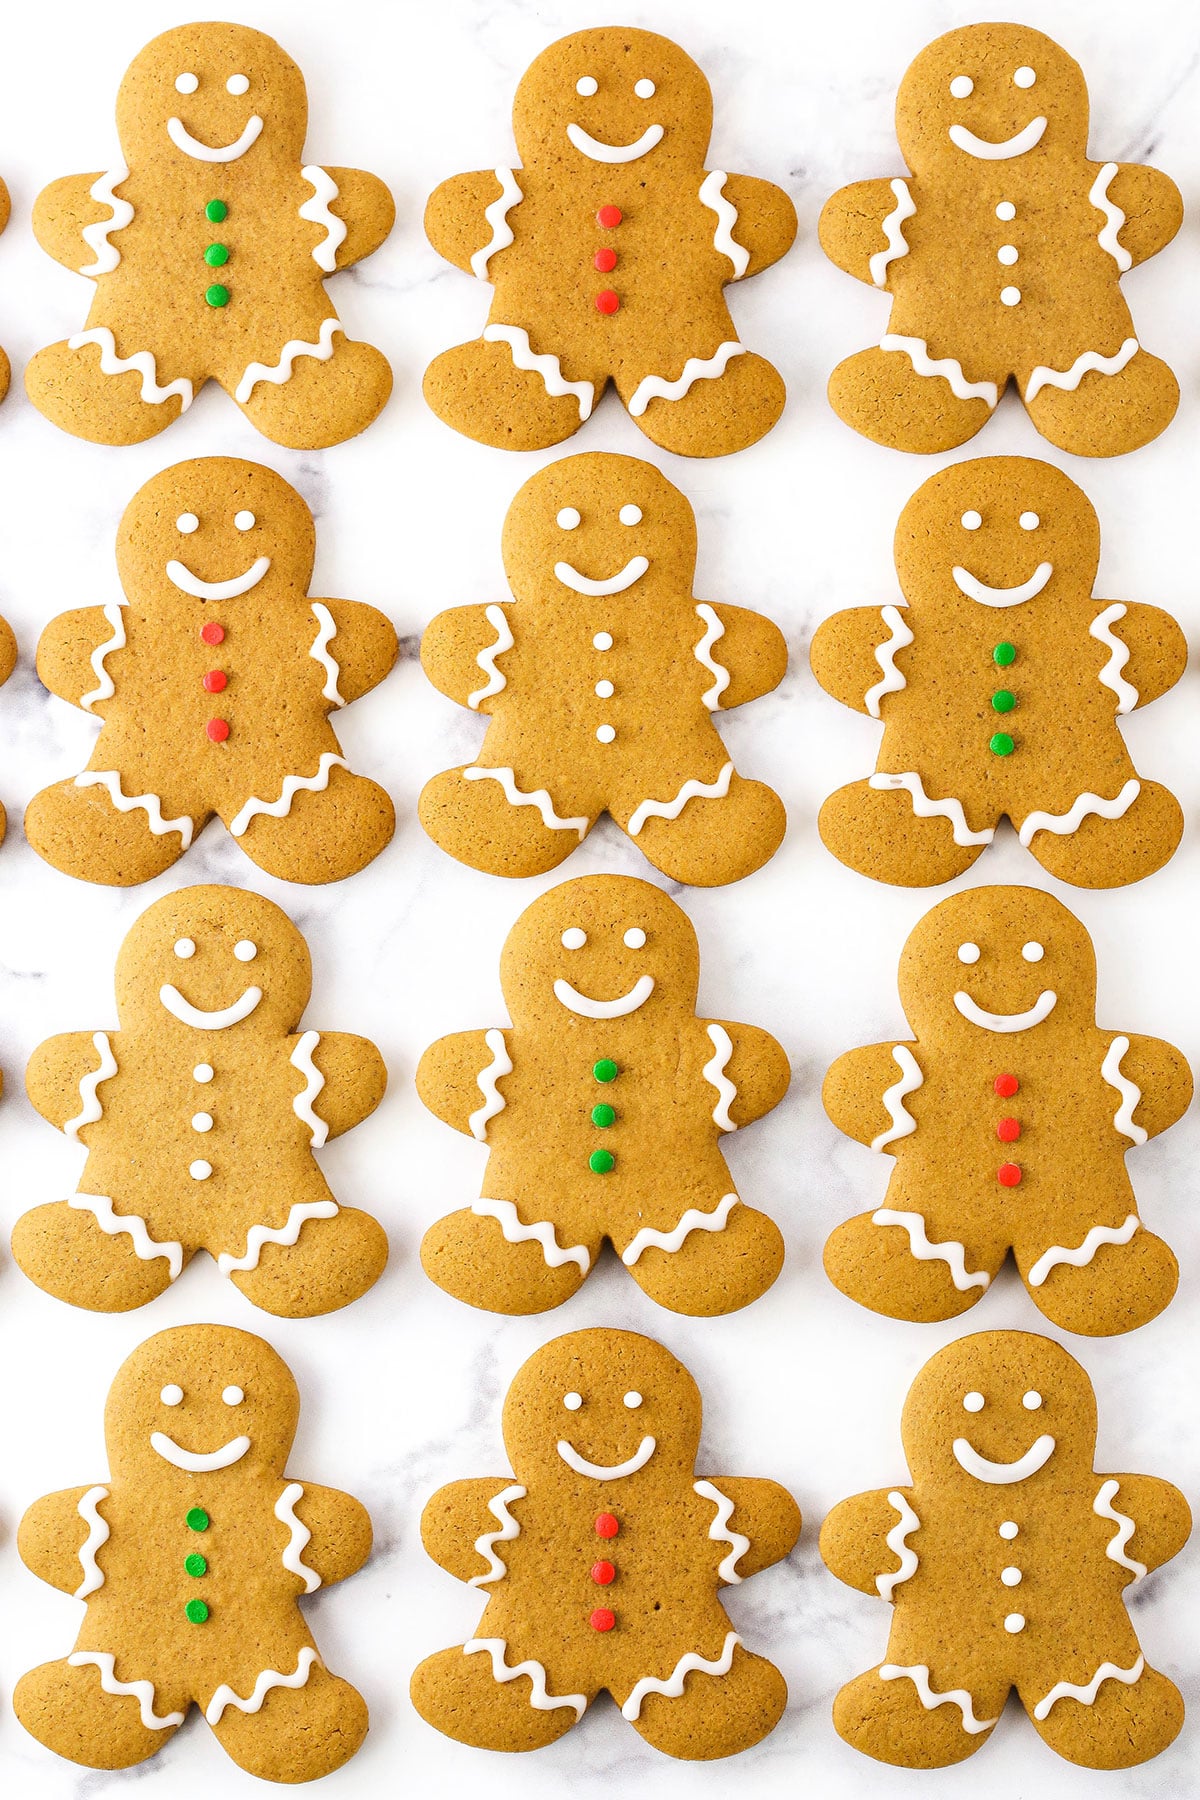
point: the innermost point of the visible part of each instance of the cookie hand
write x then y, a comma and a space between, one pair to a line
766, 219
854, 1088
65, 651
448, 1078
853, 1540
355, 1078
454, 216
1157, 648
8, 651
50, 1537
367, 210
56, 1070
845, 655
363, 646
451, 649
758, 1069
1152, 206
339, 1528
1164, 1078
850, 228
753, 652
62, 212
454, 1521
1161, 1517
764, 1512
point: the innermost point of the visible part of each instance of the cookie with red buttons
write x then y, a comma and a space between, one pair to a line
1007, 1561
608, 250
191, 1556
200, 1116
600, 681
1000, 684
1003, 253
601, 1559
604, 1107
1008, 1115
209, 241
214, 683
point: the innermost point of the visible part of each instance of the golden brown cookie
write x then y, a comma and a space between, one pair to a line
1007, 1561
608, 250
200, 1116
8, 656
1003, 253
603, 1106
999, 684
214, 683
1009, 1116
599, 681
209, 243
191, 1557
602, 1559
5, 210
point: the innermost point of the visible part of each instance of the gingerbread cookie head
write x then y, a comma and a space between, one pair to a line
213, 93
216, 528
988, 93
613, 96
213, 958
597, 524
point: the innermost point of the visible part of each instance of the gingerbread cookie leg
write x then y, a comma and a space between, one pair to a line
85, 386
493, 1256
710, 829
84, 1251
501, 392
91, 828
484, 818
898, 1714
1102, 405
80, 1708
296, 1733
889, 828
712, 1706
908, 1265
320, 827
324, 389
1100, 1276
712, 1259
1101, 842
705, 405
476, 1696
900, 396
320, 1257
1117, 1712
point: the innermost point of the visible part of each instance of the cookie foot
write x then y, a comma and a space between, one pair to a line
1107, 853
70, 388
479, 390
324, 401
468, 1255
713, 1272
327, 833
332, 1262
716, 1715
889, 1720
876, 832
81, 831
1126, 1725
65, 1707
459, 1695
300, 1733
1121, 1287
475, 822
63, 1250
876, 1265
1106, 415
715, 840
880, 394
716, 417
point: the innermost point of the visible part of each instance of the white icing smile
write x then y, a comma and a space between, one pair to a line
1000, 1474
183, 140
633, 571
975, 1014
180, 576
974, 589
197, 1462
1024, 140
218, 1018
591, 147
587, 1008
607, 1471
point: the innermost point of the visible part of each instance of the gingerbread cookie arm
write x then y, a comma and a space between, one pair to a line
853, 655
459, 651
59, 1535
1153, 1082
455, 221
329, 1533
364, 206
852, 230
748, 653
864, 1540
457, 1077
69, 653
5, 206
358, 653
1147, 651
749, 1071
864, 1093
344, 1080
1151, 205
65, 1075
765, 222
756, 1518
66, 209
1151, 1520
464, 1522
8, 649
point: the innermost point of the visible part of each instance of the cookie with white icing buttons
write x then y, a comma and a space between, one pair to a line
214, 683
1003, 253
607, 251
200, 1115
191, 1556
600, 681
1007, 1561
601, 1560
1008, 1115
604, 1107
1000, 684
209, 242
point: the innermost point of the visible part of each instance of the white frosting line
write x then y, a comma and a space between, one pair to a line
974, 589
671, 809
510, 1528
975, 1014
893, 231
896, 1542
1065, 823
292, 785
542, 1233
497, 217
917, 352
547, 366
719, 1530
519, 797
1003, 1474
298, 1536
319, 651
1129, 1091
302, 1059
1083, 1253
111, 1223
570, 577
1017, 145
287, 1234
712, 195
672, 1687
141, 1691
1066, 1690
97, 236
903, 1124
1110, 675
87, 1506
198, 1462
714, 1073
541, 1699
219, 1018
607, 1471
1107, 237
142, 361
918, 1674
1103, 1507
316, 210
180, 576
614, 153
279, 372
713, 630
497, 618
90, 1106
953, 1254
587, 1008
493, 1100
104, 690
1090, 360
183, 140
885, 656
268, 1679
671, 1241
696, 368
925, 808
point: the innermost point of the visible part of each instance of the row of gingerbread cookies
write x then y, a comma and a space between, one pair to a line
209, 245
600, 681
601, 1559
603, 1107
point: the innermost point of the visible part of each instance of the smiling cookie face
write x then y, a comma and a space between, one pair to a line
988, 96
210, 94
613, 96
212, 958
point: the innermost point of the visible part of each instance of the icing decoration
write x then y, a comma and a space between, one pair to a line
196, 1612
587, 1008
607, 302
1008, 1130
216, 295
302, 1059
197, 1519
142, 361
1008, 1175
1003, 1473
316, 210
904, 1527
1090, 360
142, 1691
893, 231
1129, 1091
222, 153
918, 1674
1026, 139
1006, 1086
605, 260
603, 1573
180, 576
1003, 700
602, 1162
216, 255
326, 630
591, 147
541, 1699
1067, 1690
97, 236
714, 1073
606, 1525
506, 1216
607, 1471
1083, 1254
609, 217
606, 1069
606, 733
925, 808
278, 373
519, 797
885, 656
719, 1530
672, 1687
286, 1234
219, 1019
1001, 744
1103, 1507
497, 217
712, 195
1015, 1622
111, 1223
268, 1679
953, 1254
299, 1535
217, 730
713, 630
497, 618
1109, 234
547, 366
974, 589
692, 1220
90, 1106
493, 1100
509, 1529
1010, 296
215, 681
570, 577
195, 1565
696, 368
975, 1014
604, 1116
87, 1506
1064, 823
198, 1462
671, 809
903, 1124
292, 785
602, 1619
917, 352
216, 211
212, 633
1110, 675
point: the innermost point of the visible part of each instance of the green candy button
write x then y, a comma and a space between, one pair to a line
1003, 700
215, 211
605, 1069
197, 1519
215, 255
600, 1162
603, 1115
195, 1564
1004, 654
217, 295
196, 1611
1002, 744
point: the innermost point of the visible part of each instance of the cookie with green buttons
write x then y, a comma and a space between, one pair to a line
191, 1557
999, 685
604, 1107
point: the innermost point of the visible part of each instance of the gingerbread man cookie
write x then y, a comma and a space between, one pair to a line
8, 662
5, 210
209, 244
602, 1559
1009, 1116
1007, 1561
1003, 253
603, 1106
608, 250
200, 1116
599, 682
214, 683
191, 1557
1000, 684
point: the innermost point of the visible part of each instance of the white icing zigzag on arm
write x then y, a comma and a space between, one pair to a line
111, 1223
493, 1100
142, 362
1111, 674
141, 1691
693, 1220
548, 367
903, 1529
316, 210
712, 195
1103, 1507
286, 1234
541, 1232
1108, 235
918, 1674
150, 804
97, 236
302, 1059
713, 629
497, 618
104, 688
885, 656
719, 1530
903, 1124
518, 797
671, 809
954, 1255
496, 215
87, 1506
1067, 1690
893, 231
672, 1687
1129, 1091
917, 352
298, 1537
1080, 1257
91, 1108
1062, 824
510, 1528
541, 1699
278, 373
326, 630
696, 368
925, 808
266, 1680
292, 785
1089, 361
714, 1073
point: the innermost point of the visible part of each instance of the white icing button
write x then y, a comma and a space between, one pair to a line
1032, 952
1024, 77
606, 733
968, 953
604, 690
1032, 1400
237, 84
567, 519
233, 1396
1014, 1622
973, 1402
187, 523
644, 88
572, 1402
971, 521
962, 87
200, 1171
1011, 1577
184, 947
202, 1121
1007, 254
1029, 521
245, 951
1010, 296
602, 641
243, 520
202, 1072
586, 85
172, 1394
186, 84
1009, 1529
630, 515
574, 938
633, 1398
1006, 210
634, 939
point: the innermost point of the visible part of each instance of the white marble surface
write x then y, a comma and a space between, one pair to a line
401, 1392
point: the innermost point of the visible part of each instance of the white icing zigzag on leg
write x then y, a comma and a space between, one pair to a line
885, 656
1110, 675
893, 231
903, 1124
1069, 379
671, 1241
493, 1100
316, 210
496, 680
496, 215
672, 1687
104, 689
142, 362
1067, 1690
917, 352
548, 367
925, 808
918, 1674
953, 1254
671, 809
1103, 1507
1063, 824
541, 1699
712, 195
278, 373
286, 1234
1083, 1254
150, 804
113, 1223
518, 797
696, 368
141, 1691
541, 1232
268, 1679
87, 1506
292, 785
1129, 1091
510, 1528
719, 1530
91, 1108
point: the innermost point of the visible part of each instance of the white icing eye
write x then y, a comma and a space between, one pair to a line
630, 515
1024, 76
968, 953
233, 1396
245, 951
635, 937
187, 523
574, 938
1031, 1401
971, 521
962, 86
568, 518
172, 1394
202, 1072
586, 85
184, 948
1006, 210
572, 1402
643, 88
1029, 521
602, 640
186, 84
243, 520
1032, 952
633, 1398
237, 84
973, 1402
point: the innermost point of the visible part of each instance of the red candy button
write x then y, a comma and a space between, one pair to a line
606, 1526
1008, 1175
212, 633
608, 216
215, 681
1006, 1086
218, 730
602, 1619
605, 260
607, 301
1008, 1130
602, 1573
